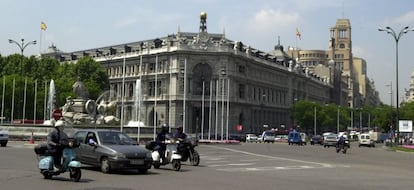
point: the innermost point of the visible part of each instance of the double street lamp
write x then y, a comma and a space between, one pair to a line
22, 46
396, 37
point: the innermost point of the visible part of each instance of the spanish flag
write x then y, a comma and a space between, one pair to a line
43, 26
298, 34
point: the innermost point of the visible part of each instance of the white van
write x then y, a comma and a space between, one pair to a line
365, 140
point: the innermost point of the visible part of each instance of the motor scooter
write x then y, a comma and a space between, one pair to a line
187, 150
70, 164
342, 146
171, 154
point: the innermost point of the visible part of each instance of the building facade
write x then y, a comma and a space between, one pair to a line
206, 83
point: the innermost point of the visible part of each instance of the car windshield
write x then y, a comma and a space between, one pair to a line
115, 137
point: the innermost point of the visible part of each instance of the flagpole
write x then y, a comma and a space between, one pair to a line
12, 109
139, 99
216, 124
228, 108
40, 42
123, 92
2, 100
45, 103
202, 112
24, 99
34, 103
185, 92
222, 108
209, 115
155, 97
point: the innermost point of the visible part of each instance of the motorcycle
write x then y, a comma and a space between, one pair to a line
69, 164
342, 146
188, 152
171, 154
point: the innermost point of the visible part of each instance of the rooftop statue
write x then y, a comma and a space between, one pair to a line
80, 90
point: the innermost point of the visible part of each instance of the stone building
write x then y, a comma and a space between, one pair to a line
347, 74
206, 83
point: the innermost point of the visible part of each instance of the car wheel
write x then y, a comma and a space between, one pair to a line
105, 166
3, 144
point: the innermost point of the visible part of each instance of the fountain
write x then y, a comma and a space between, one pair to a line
137, 105
82, 110
51, 100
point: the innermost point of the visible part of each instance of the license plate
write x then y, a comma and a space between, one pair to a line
137, 162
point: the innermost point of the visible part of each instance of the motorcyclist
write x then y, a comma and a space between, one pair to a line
160, 141
341, 140
54, 140
180, 135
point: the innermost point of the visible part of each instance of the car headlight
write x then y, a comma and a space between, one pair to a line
120, 155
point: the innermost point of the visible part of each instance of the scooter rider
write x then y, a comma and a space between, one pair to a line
180, 135
161, 137
54, 140
341, 140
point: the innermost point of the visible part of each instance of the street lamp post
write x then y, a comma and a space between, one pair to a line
396, 37
390, 85
23, 46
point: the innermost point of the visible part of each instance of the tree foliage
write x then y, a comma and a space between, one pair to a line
307, 114
36, 74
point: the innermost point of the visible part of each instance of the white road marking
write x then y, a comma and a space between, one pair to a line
278, 168
272, 157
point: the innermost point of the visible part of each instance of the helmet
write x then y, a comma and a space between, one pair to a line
165, 127
180, 128
59, 123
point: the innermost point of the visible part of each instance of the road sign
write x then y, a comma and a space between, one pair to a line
239, 127
57, 114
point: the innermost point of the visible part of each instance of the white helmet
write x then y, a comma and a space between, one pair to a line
59, 123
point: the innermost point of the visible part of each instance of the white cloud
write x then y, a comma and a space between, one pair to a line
270, 19
405, 19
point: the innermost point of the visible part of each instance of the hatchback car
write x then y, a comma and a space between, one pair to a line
251, 138
365, 140
110, 150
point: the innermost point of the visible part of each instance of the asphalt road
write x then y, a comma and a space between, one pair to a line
244, 166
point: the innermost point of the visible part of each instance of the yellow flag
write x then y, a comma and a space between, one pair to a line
298, 34
43, 26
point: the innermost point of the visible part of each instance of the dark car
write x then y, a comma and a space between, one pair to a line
316, 139
4, 137
111, 150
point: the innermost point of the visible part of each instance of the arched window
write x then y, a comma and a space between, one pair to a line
201, 74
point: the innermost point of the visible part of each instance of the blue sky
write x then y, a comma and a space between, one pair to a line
74, 25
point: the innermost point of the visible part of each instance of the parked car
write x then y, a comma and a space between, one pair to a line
330, 140
316, 139
4, 137
268, 136
365, 140
111, 150
281, 138
251, 138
